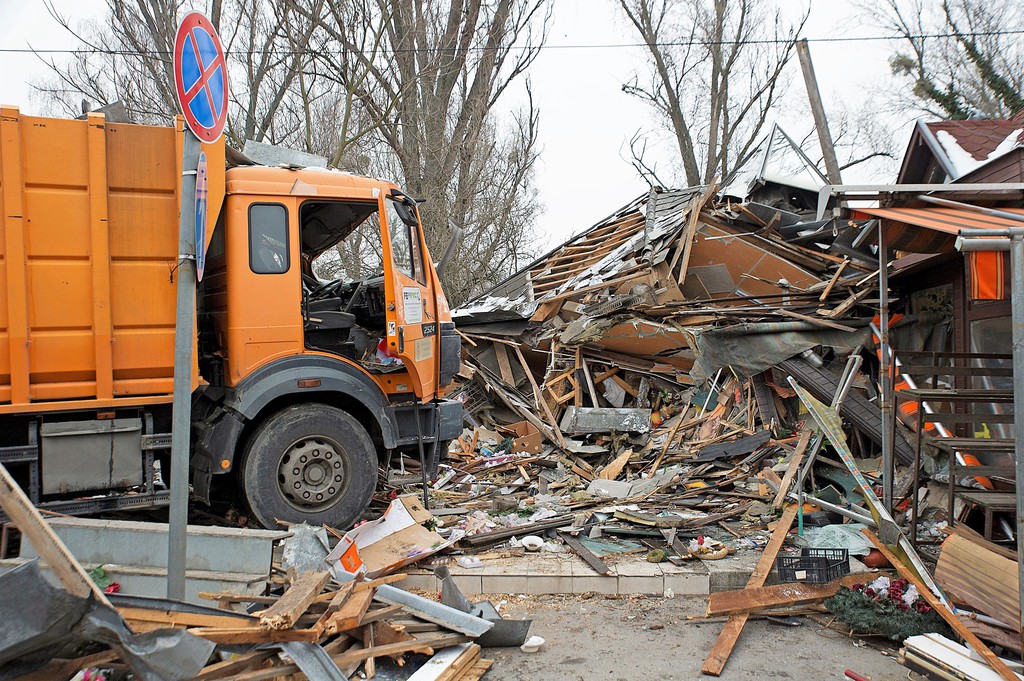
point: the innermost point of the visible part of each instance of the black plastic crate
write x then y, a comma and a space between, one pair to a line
814, 565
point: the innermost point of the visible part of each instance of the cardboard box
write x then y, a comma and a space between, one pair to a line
527, 438
394, 540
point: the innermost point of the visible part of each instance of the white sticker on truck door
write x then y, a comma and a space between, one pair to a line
412, 305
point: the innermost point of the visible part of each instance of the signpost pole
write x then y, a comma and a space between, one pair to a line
201, 86
184, 340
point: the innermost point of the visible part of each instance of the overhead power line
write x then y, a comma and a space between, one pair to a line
594, 46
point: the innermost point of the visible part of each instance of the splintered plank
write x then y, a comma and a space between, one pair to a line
749, 600
240, 635
720, 652
290, 607
954, 622
351, 613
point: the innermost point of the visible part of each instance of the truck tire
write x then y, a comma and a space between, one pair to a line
309, 463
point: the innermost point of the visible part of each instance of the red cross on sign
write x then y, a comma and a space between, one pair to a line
200, 77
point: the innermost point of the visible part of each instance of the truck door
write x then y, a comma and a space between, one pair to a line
412, 324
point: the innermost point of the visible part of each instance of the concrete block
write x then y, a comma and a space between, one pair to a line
595, 583
640, 568
504, 584
691, 584
423, 581
549, 584
582, 420
123, 542
642, 585
469, 584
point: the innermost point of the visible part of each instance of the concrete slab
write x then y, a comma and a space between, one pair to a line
539, 574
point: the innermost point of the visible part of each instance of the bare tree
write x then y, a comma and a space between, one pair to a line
961, 57
433, 89
127, 58
716, 72
413, 90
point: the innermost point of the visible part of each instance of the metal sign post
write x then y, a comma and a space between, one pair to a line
200, 80
184, 335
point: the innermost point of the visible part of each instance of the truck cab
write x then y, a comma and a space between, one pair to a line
372, 348
324, 342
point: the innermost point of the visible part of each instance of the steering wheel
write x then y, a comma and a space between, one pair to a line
310, 282
328, 287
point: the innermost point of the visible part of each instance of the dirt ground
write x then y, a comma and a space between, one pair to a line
629, 638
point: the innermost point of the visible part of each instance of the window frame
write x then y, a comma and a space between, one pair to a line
287, 236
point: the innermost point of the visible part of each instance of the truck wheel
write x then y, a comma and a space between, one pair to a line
309, 463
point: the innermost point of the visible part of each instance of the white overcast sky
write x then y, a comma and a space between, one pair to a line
586, 119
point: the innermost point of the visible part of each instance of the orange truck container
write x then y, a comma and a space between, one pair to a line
302, 387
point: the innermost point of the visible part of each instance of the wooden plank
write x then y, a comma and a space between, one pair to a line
979, 578
793, 468
233, 635
814, 320
351, 613
380, 614
722, 649
173, 618
303, 591
234, 665
612, 470
47, 544
583, 552
341, 595
833, 280
538, 397
668, 442
751, 600
232, 597
951, 619
504, 366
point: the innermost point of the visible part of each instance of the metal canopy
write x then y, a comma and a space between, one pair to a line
935, 229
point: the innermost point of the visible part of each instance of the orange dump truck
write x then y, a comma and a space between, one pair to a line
303, 388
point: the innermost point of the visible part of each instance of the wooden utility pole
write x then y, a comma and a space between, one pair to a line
828, 149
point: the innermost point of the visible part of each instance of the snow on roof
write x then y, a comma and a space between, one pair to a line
963, 160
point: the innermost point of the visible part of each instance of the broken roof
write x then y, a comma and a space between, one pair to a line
962, 147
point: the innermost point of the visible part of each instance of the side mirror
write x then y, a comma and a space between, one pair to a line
456, 236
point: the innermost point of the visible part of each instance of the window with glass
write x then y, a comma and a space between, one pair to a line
268, 238
404, 235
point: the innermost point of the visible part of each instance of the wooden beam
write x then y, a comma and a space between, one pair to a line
583, 552
287, 610
952, 620
720, 652
751, 600
351, 614
47, 544
173, 618
794, 466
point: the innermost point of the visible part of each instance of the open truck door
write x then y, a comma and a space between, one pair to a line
412, 326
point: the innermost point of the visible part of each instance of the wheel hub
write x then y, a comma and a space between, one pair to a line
311, 475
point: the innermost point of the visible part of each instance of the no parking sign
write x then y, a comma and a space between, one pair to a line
200, 77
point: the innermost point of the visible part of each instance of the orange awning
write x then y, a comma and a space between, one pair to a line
933, 229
